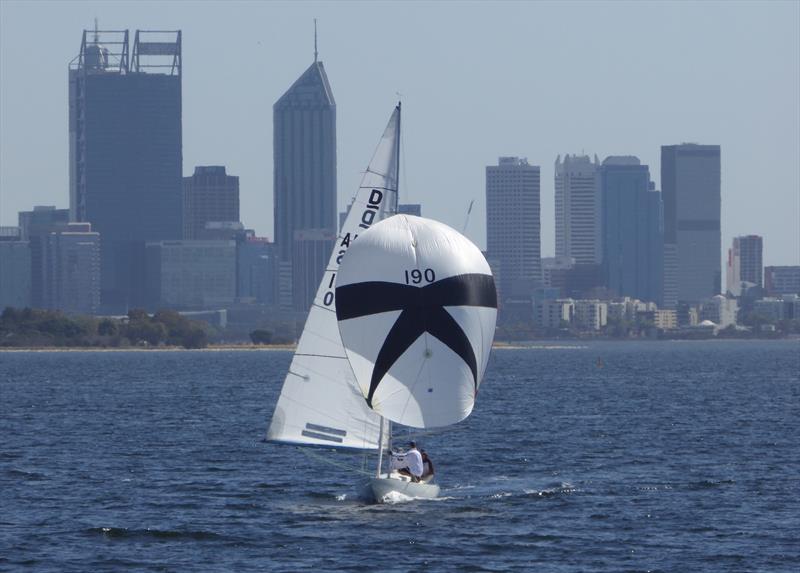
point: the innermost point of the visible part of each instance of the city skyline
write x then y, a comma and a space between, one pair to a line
463, 110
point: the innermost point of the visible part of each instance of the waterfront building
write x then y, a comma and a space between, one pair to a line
690, 184
15, 269
782, 280
745, 268
209, 195
665, 319
35, 226
720, 310
513, 226
591, 314
549, 313
191, 274
688, 315
72, 261
633, 233
125, 151
577, 207
312, 250
629, 308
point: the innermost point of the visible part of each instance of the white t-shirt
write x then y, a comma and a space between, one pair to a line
414, 461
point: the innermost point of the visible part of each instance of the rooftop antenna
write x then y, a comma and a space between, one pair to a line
315, 40
96, 32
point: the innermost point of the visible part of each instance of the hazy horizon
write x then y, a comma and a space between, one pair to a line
478, 81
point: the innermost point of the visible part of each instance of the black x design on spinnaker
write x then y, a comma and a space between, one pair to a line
423, 310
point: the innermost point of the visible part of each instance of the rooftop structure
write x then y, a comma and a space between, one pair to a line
125, 143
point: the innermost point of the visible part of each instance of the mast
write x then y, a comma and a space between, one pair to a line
396, 203
380, 451
397, 158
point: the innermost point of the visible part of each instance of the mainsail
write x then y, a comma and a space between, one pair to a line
320, 403
417, 307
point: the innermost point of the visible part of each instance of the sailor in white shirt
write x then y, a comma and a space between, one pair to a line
409, 463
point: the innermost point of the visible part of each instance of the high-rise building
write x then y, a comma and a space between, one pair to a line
312, 250
633, 233
72, 259
745, 266
256, 270
410, 209
304, 148
125, 159
690, 185
577, 204
191, 274
209, 195
513, 226
35, 227
782, 280
15, 269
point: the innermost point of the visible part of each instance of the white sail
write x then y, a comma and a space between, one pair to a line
320, 403
417, 307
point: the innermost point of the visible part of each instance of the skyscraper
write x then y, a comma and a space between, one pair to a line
209, 195
577, 206
633, 232
35, 227
72, 259
690, 184
745, 264
304, 123
311, 250
125, 151
513, 226
15, 269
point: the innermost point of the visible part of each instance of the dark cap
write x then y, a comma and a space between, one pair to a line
412, 444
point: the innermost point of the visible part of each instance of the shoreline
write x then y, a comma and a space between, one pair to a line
576, 343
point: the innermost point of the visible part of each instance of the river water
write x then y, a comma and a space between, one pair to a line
602, 456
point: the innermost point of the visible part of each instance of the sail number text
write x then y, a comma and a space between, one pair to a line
416, 276
365, 222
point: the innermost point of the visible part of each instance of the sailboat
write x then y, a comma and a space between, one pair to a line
399, 331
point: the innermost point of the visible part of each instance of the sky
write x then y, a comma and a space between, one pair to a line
478, 80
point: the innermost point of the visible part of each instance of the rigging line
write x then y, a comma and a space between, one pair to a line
323, 459
320, 355
403, 164
323, 307
377, 186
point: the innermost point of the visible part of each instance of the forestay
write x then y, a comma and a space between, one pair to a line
417, 307
320, 403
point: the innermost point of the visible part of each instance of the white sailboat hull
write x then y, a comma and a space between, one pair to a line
392, 487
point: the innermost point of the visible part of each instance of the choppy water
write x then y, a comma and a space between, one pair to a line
673, 456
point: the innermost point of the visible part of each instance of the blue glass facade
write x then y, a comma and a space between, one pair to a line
633, 231
125, 161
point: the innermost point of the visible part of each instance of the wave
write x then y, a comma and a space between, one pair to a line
124, 532
26, 476
709, 484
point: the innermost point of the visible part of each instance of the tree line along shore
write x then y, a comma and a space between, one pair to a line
31, 328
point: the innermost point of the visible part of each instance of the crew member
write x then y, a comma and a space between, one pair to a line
410, 463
